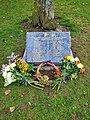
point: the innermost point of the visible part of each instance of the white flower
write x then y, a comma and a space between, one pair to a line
12, 65
7, 68
76, 59
4, 74
80, 65
72, 60
9, 77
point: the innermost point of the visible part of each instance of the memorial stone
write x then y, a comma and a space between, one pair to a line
47, 46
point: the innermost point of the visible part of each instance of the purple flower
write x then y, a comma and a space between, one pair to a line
3, 66
12, 58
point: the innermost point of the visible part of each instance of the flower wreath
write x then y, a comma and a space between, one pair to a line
44, 79
18, 70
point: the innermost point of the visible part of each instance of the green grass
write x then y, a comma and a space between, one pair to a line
72, 101
72, 26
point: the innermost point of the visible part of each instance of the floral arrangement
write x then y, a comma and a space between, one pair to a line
18, 70
70, 69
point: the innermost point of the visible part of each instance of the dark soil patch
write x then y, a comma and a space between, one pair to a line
59, 28
6, 112
21, 52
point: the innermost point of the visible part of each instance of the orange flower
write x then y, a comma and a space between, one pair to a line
26, 67
77, 62
83, 70
58, 72
66, 56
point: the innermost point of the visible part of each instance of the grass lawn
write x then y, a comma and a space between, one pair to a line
72, 100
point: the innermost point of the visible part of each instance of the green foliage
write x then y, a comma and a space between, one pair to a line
57, 83
30, 67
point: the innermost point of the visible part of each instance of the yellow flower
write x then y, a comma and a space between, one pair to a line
26, 67
22, 71
68, 57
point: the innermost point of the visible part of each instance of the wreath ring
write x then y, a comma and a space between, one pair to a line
38, 75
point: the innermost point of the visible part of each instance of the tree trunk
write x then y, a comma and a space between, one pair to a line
43, 14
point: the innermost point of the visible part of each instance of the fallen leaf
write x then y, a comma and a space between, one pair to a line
21, 30
29, 103
7, 92
12, 108
25, 106
22, 94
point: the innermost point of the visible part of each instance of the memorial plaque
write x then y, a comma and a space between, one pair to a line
47, 46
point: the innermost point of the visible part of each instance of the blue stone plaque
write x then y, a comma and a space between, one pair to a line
47, 46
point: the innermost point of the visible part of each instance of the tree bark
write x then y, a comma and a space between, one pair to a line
43, 14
